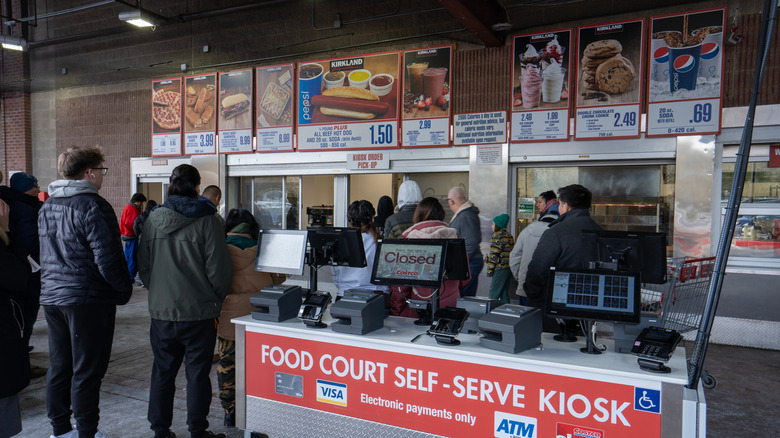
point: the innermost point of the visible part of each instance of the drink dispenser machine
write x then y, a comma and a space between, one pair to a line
320, 215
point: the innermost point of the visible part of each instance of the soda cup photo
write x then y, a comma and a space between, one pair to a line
683, 67
309, 84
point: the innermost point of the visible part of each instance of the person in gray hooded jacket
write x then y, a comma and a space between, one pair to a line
408, 196
184, 262
83, 278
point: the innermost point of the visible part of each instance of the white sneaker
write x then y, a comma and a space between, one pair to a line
73, 433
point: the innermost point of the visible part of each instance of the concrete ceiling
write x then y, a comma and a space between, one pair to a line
78, 43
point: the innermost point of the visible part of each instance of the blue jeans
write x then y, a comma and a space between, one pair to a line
131, 248
475, 266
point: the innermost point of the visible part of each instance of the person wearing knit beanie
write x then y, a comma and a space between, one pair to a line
501, 244
501, 220
22, 182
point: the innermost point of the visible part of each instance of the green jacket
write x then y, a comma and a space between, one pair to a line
184, 261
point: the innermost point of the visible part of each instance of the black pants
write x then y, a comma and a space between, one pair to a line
80, 339
171, 341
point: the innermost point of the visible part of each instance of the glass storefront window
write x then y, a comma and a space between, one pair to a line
757, 231
273, 200
625, 198
762, 183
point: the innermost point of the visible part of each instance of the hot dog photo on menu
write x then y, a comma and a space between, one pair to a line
362, 88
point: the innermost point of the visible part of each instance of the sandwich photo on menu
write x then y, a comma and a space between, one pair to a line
234, 105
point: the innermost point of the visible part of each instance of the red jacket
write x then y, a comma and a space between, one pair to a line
128, 217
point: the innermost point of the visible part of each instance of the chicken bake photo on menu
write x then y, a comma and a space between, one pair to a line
348, 89
199, 98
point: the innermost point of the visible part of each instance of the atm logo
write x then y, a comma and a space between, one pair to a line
332, 392
507, 425
684, 63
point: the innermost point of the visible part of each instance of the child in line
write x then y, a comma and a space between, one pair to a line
501, 244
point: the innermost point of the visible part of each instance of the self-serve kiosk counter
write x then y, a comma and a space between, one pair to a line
293, 381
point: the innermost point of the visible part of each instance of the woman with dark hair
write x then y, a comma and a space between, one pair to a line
384, 209
360, 215
428, 224
242, 230
184, 262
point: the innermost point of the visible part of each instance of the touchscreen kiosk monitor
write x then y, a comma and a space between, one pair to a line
338, 246
409, 262
281, 251
456, 263
594, 295
642, 252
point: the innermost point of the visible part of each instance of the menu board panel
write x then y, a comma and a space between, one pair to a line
426, 97
235, 111
349, 103
275, 107
685, 87
200, 121
166, 117
609, 80
541, 75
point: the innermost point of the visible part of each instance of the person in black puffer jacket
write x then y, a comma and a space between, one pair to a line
83, 278
15, 366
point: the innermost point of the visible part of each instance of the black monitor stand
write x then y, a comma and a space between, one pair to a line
566, 334
590, 347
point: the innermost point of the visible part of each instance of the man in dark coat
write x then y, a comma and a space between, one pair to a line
83, 278
22, 199
466, 222
560, 246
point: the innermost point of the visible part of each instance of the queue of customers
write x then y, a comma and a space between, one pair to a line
200, 273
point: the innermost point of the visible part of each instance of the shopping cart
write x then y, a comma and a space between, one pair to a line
681, 300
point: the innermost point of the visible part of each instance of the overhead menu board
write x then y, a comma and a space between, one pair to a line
200, 120
275, 106
609, 80
685, 86
540, 86
235, 111
166, 117
349, 103
426, 97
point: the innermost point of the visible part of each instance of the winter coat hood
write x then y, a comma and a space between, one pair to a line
177, 212
65, 188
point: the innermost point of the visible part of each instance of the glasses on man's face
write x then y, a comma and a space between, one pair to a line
103, 170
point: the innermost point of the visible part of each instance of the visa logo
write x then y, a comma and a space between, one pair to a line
507, 425
332, 392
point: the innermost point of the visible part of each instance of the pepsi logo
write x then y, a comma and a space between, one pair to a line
661, 55
709, 50
684, 63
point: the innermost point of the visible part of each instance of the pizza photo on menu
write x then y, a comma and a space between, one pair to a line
166, 110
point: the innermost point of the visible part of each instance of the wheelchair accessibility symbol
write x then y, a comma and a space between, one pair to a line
648, 400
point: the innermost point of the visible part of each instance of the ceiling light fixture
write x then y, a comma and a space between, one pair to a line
139, 18
13, 43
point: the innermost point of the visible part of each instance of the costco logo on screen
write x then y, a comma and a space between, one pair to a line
563, 430
332, 392
507, 425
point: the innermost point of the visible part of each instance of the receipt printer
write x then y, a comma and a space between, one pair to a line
359, 311
277, 303
511, 328
477, 308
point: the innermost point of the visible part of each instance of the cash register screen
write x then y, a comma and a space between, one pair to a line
281, 251
409, 262
594, 295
